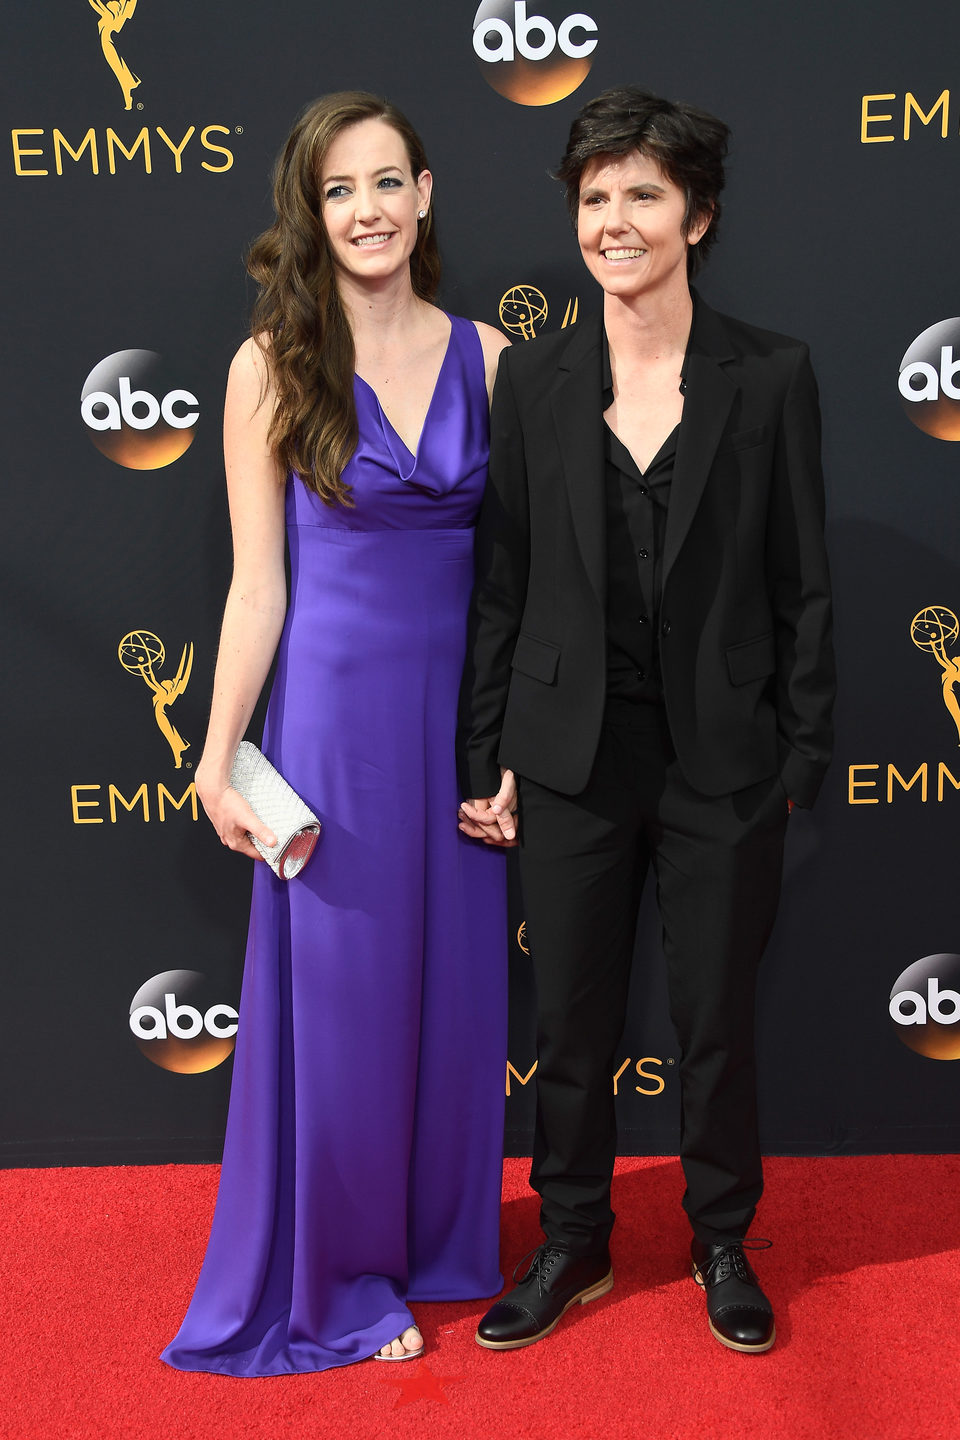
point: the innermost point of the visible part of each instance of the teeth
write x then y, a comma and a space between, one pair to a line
623, 254
370, 239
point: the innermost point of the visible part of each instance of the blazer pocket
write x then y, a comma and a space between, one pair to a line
743, 439
751, 660
536, 658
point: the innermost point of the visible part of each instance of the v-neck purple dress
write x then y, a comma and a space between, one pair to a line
362, 1161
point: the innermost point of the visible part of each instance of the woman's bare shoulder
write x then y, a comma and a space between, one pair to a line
250, 371
492, 342
491, 339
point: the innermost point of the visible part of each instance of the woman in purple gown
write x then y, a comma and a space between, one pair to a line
361, 1166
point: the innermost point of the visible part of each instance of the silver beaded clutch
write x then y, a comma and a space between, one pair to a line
278, 805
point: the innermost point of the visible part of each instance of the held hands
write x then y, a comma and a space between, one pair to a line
233, 820
494, 821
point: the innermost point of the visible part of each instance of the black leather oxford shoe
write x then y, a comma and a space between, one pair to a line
555, 1280
740, 1315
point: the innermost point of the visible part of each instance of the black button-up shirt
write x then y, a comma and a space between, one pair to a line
636, 503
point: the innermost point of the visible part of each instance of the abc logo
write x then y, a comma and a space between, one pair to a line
178, 1023
533, 59
930, 380
135, 412
925, 1007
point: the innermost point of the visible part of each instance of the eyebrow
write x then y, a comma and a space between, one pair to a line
630, 189
384, 170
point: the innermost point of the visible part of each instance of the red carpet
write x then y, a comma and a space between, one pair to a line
98, 1266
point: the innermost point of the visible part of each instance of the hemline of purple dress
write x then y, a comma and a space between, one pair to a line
362, 1159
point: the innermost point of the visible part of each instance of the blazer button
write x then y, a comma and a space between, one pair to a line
644, 620
665, 628
641, 674
643, 553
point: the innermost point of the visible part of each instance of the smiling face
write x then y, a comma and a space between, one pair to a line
630, 225
370, 201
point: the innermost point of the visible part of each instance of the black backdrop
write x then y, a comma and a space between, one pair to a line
124, 231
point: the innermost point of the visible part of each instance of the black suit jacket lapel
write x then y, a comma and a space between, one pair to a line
578, 417
708, 397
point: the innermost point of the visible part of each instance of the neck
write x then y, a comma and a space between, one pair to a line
378, 314
649, 329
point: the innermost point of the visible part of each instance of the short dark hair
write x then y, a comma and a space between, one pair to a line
689, 146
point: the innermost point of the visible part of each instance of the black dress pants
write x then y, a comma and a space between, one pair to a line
717, 865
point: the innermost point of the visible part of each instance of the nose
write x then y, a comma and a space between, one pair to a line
615, 219
367, 204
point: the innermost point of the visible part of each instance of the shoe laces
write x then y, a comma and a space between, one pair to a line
730, 1261
542, 1261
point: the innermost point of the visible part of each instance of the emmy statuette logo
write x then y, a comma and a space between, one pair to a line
925, 1007
935, 630
100, 802
524, 310
533, 59
929, 376
41, 150
932, 630
180, 1024
140, 652
114, 14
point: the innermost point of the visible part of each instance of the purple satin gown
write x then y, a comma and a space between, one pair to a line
362, 1160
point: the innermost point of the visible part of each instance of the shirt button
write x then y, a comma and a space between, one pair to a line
643, 553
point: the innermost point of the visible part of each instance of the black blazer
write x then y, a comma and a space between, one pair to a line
745, 624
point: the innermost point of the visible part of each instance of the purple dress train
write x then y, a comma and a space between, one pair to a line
362, 1160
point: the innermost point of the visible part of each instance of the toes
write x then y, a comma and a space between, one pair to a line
411, 1340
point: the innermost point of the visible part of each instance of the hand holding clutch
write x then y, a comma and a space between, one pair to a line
278, 805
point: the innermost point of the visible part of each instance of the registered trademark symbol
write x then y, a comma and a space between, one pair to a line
669, 1062
139, 104
189, 766
238, 130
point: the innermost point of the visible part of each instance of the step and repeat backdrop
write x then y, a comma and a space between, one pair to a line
136, 146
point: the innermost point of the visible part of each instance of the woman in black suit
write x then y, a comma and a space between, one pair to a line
650, 655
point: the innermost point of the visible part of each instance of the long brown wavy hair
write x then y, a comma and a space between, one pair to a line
299, 321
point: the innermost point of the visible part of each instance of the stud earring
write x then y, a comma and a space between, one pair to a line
422, 215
